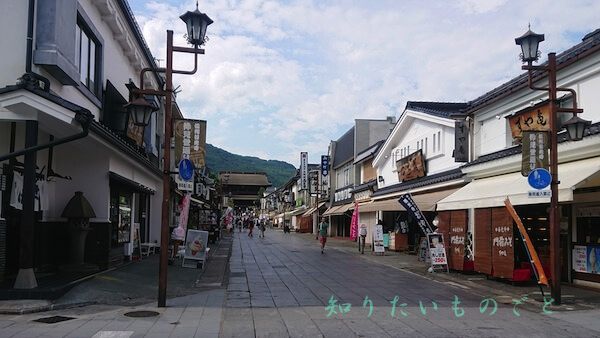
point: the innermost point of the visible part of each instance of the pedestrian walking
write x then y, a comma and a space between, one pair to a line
250, 229
362, 239
239, 225
323, 229
262, 229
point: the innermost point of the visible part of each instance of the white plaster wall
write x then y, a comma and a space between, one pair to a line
490, 128
418, 130
13, 40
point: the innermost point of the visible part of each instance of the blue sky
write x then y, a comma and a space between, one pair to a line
281, 77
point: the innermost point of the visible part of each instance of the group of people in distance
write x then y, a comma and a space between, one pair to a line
251, 224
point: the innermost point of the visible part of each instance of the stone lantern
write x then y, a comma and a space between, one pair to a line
78, 212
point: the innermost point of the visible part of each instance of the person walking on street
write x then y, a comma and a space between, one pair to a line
323, 229
362, 238
262, 229
250, 228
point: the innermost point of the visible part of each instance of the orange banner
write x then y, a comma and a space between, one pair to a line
535, 261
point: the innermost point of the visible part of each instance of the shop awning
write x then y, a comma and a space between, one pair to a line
310, 211
338, 210
133, 185
296, 212
426, 202
492, 191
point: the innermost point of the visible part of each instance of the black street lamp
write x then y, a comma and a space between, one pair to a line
575, 126
141, 109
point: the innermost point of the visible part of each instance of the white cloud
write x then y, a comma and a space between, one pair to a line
282, 77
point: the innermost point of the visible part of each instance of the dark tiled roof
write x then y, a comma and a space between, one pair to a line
421, 182
242, 178
590, 44
369, 152
364, 186
344, 149
594, 129
440, 109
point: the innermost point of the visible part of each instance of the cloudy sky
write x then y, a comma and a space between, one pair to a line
281, 77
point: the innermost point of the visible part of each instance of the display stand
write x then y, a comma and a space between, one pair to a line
196, 249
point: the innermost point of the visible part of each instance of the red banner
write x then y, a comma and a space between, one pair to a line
354, 223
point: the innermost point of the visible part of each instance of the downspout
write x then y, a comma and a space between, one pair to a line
84, 117
30, 18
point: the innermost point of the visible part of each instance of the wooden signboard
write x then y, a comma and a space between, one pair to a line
536, 118
456, 239
535, 151
503, 253
411, 166
461, 141
483, 241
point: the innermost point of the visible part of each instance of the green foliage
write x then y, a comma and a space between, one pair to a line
278, 172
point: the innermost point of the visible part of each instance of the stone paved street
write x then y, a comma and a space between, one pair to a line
280, 286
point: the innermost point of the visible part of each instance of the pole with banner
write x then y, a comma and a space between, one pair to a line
354, 223
303, 170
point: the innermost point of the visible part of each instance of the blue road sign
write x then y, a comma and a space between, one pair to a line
186, 169
539, 178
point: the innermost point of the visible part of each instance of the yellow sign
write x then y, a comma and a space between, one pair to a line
536, 118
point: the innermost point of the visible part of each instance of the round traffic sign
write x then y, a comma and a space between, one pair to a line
186, 169
539, 178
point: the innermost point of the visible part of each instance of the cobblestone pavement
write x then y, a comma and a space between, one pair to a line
281, 286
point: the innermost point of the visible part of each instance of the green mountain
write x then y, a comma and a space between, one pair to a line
278, 172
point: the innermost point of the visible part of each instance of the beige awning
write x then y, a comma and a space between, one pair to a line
492, 191
310, 211
338, 210
425, 202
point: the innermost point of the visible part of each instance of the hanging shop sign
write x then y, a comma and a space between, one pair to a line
411, 166
437, 252
536, 118
313, 177
190, 141
324, 165
409, 204
461, 141
586, 258
535, 151
303, 170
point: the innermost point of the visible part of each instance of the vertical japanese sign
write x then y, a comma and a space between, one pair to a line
324, 165
303, 170
409, 204
354, 223
535, 151
536, 118
190, 141
378, 239
461, 141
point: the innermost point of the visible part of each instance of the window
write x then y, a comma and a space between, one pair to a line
434, 144
418, 145
426, 145
439, 140
87, 57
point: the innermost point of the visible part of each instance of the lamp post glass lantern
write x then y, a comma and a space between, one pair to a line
140, 110
576, 127
196, 23
529, 43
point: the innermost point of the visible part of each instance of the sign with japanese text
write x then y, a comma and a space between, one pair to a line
303, 170
461, 141
134, 132
580, 258
536, 118
503, 257
324, 165
411, 166
378, 246
409, 204
190, 141
437, 251
535, 151
313, 177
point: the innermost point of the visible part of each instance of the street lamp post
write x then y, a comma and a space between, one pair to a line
140, 110
575, 126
